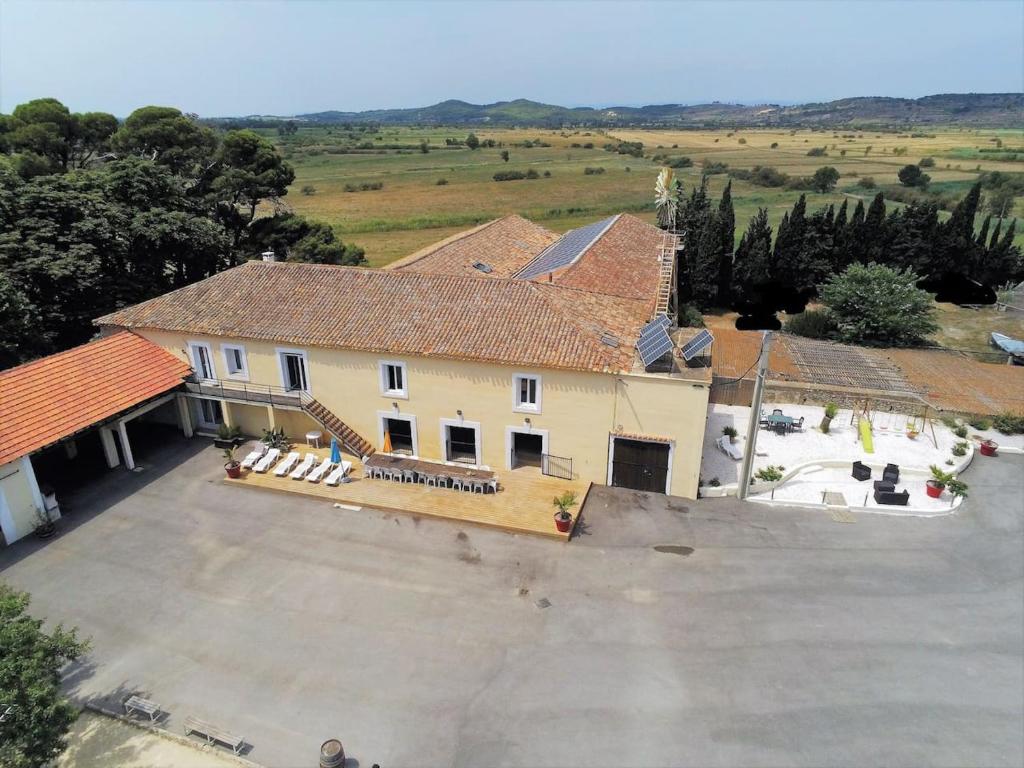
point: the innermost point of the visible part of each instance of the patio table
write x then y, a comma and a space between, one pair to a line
780, 423
384, 461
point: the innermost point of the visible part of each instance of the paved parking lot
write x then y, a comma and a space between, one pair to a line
678, 633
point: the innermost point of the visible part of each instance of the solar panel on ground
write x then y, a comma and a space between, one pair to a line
565, 249
654, 340
694, 346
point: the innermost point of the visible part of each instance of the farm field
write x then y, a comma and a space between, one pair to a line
412, 210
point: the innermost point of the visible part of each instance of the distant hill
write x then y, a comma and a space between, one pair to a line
974, 109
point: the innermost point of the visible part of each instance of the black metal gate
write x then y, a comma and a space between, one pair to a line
640, 465
556, 466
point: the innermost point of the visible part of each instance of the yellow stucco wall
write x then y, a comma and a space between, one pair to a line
17, 501
579, 410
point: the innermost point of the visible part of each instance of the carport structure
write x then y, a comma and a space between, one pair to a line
100, 385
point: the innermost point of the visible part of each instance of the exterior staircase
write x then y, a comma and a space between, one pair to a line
666, 283
349, 439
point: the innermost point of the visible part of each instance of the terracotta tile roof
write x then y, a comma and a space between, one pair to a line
622, 261
505, 245
509, 322
56, 396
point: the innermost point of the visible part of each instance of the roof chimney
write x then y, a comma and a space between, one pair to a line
269, 256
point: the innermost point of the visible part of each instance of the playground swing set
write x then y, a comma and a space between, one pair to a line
887, 422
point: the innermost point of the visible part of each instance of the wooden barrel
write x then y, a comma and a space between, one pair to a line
332, 754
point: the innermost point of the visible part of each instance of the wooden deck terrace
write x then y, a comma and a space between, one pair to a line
521, 505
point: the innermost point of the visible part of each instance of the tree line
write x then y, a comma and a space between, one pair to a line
97, 214
771, 271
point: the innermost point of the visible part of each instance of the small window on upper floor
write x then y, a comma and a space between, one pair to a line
527, 393
393, 380
234, 361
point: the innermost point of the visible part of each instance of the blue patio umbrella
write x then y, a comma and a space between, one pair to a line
335, 451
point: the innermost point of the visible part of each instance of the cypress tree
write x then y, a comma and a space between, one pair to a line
841, 238
855, 250
956, 246
752, 265
982, 240
995, 235
789, 243
874, 230
727, 242
698, 281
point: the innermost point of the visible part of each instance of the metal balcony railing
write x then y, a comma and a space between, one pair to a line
262, 394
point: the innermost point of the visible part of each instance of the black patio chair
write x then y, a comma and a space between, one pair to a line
891, 473
884, 486
861, 471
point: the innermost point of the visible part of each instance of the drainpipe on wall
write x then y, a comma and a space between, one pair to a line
755, 418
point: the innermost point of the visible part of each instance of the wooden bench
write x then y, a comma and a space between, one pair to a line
213, 734
138, 704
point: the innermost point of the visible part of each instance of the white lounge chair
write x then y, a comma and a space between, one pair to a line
304, 468
268, 460
288, 464
339, 472
322, 469
729, 448
253, 456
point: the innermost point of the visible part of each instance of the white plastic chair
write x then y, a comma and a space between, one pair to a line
456, 483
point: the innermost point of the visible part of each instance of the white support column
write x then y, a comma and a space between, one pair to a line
126, 448
184, 415
109, 449
33, 486
270, 417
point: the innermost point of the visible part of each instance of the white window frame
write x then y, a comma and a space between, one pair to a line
511, 430
516, 405
382, 415
280, 352
475, 426
382, 368
243, 374
190, 345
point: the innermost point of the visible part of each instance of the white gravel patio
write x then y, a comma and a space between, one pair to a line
841, 443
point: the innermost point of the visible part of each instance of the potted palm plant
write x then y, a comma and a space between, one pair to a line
958, 489
938, 482
232, 467
831, 409
563, 520
730, 432
227, 437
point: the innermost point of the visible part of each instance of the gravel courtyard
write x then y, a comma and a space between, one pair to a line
710, 633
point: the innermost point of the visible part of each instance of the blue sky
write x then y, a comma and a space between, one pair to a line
234, 58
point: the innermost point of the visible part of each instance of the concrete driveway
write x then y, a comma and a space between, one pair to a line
782, 638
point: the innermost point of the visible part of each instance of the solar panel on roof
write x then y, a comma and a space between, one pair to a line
694, 346
654, 341
663, 321
565, 250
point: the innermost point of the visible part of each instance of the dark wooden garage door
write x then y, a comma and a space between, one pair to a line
640, 465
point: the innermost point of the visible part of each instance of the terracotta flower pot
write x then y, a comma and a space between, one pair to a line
234, 469
989, 447
563, 521
934, 488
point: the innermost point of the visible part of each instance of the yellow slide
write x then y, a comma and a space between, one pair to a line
865, 436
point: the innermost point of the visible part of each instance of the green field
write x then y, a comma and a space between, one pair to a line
411, 210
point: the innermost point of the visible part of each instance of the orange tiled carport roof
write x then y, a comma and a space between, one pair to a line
52, 398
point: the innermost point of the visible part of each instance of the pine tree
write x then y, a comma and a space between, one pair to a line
727, 242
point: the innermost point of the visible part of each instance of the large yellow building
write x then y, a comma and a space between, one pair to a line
503, 347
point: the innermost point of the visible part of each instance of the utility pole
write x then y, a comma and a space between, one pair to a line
755, 417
